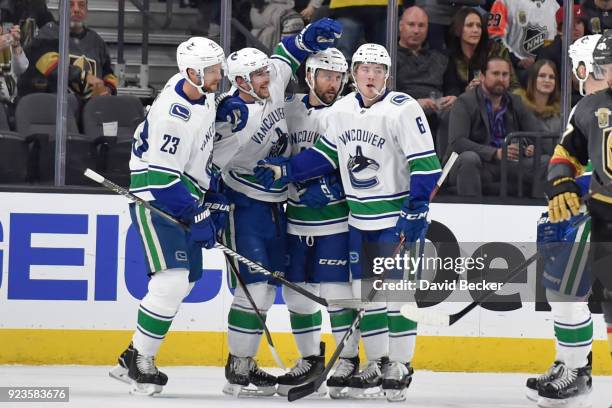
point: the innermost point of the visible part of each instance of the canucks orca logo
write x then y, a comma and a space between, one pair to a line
280, 144
362, 170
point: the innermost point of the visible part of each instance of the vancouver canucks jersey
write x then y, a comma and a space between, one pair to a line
306, 124
384, 152
174, 143
265, 135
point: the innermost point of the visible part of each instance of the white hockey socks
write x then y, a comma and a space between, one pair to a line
167, 289
341, 318
244, 329
305, 318
573, 329
402, 334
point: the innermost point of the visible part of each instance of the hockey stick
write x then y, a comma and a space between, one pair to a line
304, 390
437, 318
262, 321
253, 265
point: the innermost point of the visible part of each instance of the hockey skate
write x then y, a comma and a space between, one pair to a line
571, 389
120, 371
534, 383
396, 380
338, 383
145, 378
244, 377
367, 384
305, 370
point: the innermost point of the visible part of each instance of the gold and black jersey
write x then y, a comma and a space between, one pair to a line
588, 137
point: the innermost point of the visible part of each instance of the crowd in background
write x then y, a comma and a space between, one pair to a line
480, 69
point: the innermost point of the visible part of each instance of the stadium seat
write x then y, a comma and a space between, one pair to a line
35, 117
13, 153
125, 112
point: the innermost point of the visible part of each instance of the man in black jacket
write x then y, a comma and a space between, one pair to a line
480, 120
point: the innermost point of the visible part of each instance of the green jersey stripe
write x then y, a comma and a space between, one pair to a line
305, 321
376, 207
424, 164
281, 51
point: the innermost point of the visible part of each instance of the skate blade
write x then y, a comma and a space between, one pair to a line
145, 390
120, 374
283, 390
532, 395
366, 393
338, 392
396, 395
237, 390
579, 401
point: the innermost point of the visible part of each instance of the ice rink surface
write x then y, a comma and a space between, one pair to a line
90, 386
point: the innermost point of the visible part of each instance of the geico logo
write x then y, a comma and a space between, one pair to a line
333, 262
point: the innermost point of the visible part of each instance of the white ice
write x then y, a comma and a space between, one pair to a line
90, 386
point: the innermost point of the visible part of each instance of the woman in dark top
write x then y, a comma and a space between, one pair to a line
469, 47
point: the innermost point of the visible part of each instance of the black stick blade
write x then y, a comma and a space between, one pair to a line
302, 391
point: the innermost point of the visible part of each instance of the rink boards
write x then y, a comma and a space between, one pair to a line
72, 274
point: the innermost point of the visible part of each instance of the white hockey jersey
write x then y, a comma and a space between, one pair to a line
265, 134
523, 25
174, 143
306, 125
378, 150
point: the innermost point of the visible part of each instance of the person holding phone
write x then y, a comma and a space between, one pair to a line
13, 61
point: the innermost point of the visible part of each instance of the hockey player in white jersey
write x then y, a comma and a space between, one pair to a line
317, 234
381, 143
170, 167
257, 227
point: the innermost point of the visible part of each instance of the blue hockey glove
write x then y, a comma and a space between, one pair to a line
232, 109
272, 169
219, 208
320, 192
201, 227
319, 35
412, 221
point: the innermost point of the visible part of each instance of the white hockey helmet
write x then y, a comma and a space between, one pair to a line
581, 51
198, 53
371, 54
330, 59
242, 63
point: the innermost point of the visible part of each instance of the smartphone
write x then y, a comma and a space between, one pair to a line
6, 27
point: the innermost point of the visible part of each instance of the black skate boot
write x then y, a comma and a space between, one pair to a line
367, 384
534, 383
571, 388
146, 378
244, 377
396, 380
120, 371
339, 381
305, 370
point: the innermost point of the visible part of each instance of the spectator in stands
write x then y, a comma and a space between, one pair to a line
598, 15
542, 95
13, 61
469, 48
523, 26
440, 14
479, 122
17, 11
308, 9
361, 20
273, 20
553, 51
420, 69
90, 72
